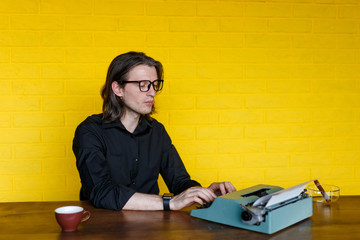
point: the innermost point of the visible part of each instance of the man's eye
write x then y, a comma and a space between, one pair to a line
143, 84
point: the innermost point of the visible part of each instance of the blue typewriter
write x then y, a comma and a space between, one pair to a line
261, 208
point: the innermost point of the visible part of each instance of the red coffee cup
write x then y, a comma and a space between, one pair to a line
69, 217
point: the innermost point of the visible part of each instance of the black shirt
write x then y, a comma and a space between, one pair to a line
114, 164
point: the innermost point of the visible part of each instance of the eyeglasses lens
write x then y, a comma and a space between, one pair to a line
146, 84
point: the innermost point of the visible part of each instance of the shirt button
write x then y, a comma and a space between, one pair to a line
136, 159
133, 183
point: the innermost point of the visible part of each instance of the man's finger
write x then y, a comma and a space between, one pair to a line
229, 187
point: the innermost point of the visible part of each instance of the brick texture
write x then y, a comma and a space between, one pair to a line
255, 91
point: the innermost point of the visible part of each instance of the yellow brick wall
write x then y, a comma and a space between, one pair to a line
261, 91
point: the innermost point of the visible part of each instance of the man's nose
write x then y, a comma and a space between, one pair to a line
151, 91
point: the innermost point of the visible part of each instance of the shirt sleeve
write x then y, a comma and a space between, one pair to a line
173, 170
97, 185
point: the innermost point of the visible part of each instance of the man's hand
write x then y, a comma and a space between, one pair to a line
200, 195
221, 188
191, 196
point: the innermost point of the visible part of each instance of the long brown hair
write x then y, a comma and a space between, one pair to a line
118, 71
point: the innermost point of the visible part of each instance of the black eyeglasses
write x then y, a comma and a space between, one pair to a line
144, 85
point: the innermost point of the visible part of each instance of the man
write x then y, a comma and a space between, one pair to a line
121, 152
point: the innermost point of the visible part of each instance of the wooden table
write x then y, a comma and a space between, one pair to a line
36, 220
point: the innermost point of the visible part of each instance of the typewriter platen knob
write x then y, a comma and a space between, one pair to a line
246, 216
252, 215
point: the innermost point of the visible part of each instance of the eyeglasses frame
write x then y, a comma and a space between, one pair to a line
151, 83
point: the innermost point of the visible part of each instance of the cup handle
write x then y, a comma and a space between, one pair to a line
86, 216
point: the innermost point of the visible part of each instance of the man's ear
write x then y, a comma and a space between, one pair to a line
117, 89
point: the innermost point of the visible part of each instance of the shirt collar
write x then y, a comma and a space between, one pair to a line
143, 125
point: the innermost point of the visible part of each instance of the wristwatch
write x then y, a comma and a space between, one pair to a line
166, 199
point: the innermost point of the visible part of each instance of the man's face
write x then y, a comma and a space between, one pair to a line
135, 101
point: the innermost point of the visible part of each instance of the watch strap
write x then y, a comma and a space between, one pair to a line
166, 201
